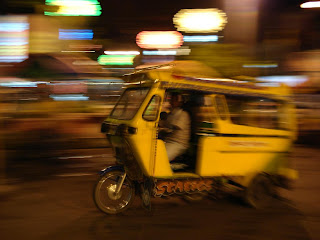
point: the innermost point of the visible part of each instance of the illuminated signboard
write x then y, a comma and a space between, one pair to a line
160, 53
169, 52
201, 39
116, 59
14, 38
200, 20
74, 8
121, 52
159, 39
75, 34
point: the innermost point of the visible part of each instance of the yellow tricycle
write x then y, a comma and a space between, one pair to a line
241, 132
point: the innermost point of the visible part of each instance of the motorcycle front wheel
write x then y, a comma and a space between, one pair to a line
105, 196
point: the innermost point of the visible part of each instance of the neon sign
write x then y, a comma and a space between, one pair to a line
199, 38
14, 39
116, 59
75, 34
159, 39
74, 8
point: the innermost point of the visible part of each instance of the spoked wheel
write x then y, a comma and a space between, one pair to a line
260, 192
107, 195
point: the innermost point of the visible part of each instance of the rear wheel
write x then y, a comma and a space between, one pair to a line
260, 192
105, 194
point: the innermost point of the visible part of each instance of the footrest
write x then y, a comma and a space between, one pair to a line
178, 166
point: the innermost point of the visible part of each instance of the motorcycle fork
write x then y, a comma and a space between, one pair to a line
120, 182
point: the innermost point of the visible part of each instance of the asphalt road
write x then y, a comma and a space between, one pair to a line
57, 204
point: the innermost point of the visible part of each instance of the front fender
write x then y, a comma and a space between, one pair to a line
110, 168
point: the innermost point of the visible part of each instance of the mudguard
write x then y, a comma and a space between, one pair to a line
110, 168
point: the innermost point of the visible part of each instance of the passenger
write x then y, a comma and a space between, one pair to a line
177, 125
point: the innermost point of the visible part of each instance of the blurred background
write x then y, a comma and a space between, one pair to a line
61, 62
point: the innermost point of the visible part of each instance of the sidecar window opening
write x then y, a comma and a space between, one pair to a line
200, 108
152, 110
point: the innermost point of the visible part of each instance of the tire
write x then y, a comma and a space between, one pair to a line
104, 196
260, 192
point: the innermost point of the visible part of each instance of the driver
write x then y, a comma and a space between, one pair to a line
178, 124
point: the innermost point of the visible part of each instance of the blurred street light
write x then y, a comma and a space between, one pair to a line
121, 52
312, 4
73, 8
166, 52
201, 38
75, 34
116, 59
200, 20
159, 39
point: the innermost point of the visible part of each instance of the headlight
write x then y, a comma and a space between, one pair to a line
104, 127
123, 129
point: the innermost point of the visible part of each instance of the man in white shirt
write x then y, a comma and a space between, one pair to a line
179, 123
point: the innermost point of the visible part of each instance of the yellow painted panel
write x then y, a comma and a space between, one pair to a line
144, 141
227, 127
239, 155
143, 145
162, 167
